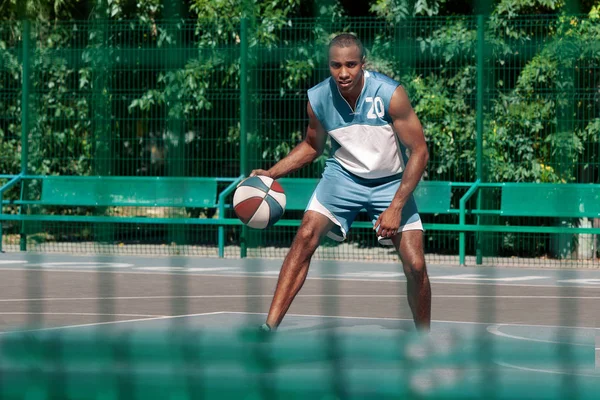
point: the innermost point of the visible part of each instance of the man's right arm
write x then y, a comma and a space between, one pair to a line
310, 148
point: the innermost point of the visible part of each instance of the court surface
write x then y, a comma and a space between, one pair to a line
535, 325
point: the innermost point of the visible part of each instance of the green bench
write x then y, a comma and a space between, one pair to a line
540, 200
517, 200
104, 191
129, 192
560, 201
92, 191
101, 191
544, 200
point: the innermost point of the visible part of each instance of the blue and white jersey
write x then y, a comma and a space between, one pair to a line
363, 141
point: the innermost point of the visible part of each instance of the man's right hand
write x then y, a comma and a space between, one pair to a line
260, 172
257, 172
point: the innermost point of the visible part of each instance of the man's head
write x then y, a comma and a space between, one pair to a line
346, 61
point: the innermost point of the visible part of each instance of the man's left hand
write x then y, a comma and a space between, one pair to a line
388, 222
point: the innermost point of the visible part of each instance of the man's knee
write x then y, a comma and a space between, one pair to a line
416, 268
308, 237
410, 247
311, 231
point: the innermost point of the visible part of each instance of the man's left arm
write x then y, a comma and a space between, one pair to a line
410, 132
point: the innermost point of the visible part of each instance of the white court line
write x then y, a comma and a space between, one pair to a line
495, 330
314, 316
111, 322
241, 296
408, 319
303, 315
256, 275
83, 325
188, 269
545, 371
84, 314
83, 264
479, 277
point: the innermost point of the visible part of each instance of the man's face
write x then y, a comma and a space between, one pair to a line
345, 65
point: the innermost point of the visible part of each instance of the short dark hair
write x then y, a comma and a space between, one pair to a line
347, 40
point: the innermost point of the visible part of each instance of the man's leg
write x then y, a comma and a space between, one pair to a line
295, 266
410, 247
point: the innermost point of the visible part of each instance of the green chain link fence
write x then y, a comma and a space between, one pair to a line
501, 100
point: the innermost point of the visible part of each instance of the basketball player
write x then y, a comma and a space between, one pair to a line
371, 123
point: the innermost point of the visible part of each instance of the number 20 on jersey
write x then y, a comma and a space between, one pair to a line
376, 108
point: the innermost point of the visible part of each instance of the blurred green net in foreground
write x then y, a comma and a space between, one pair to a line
185, 363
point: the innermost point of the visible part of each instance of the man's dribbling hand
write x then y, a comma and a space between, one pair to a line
262, 172
388, 222
257, 172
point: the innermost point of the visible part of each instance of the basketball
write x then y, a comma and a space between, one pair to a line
259, 202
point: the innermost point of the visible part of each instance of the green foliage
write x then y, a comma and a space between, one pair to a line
512, 8
40, 10
450, 42
448, 122
62, 124
539, 126
185, 89
10, 103
267, 17
394, 11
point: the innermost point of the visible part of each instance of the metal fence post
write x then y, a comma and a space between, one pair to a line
25, 81
480, 100
244, 118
